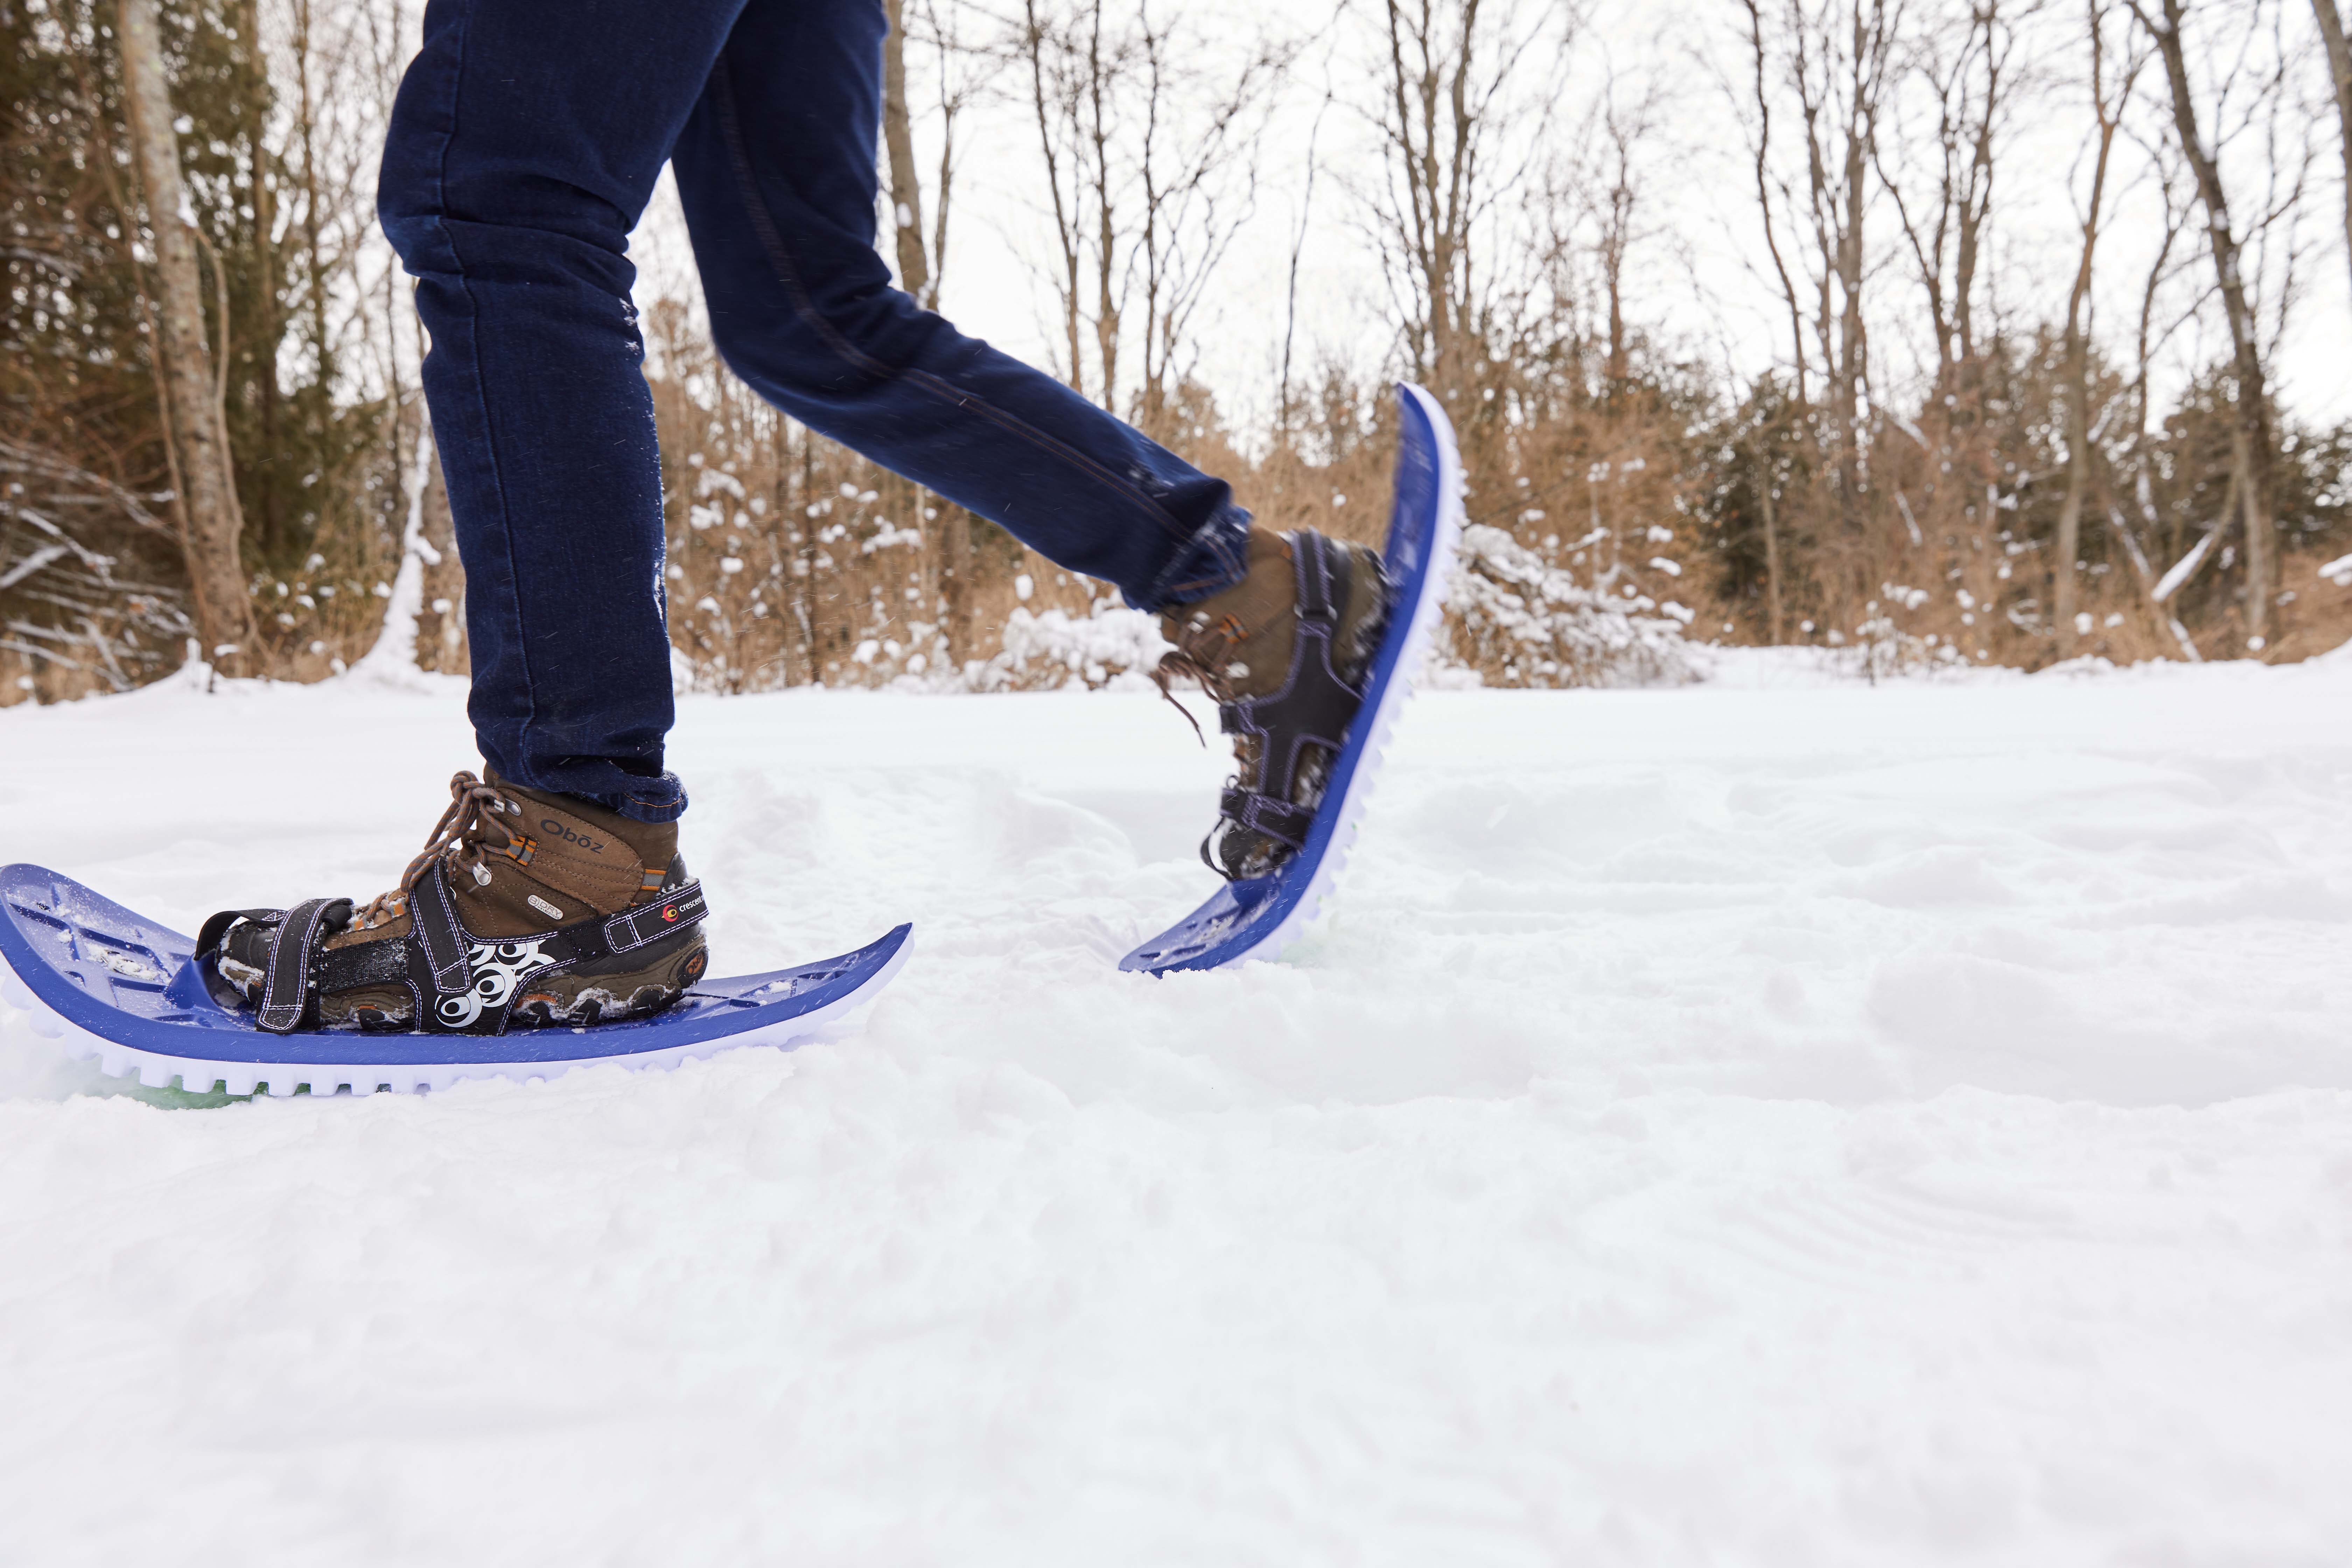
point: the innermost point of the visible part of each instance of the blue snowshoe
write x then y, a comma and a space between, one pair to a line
1309, 658
535, 933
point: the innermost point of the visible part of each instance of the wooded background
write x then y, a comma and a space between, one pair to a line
1937, 439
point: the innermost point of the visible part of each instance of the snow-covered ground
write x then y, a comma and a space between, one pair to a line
1760, 1122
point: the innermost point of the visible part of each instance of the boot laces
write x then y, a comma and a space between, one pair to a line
457, 837
1200, 655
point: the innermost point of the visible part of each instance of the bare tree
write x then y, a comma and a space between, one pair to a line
2339, 77
1611, 200
1451, 69
1766, 187
1188, 209
1971, 83
1151, 163
2250, 441
2107, 115
224, 613
898, 140
1058, 102
1835, 60
1282, 418
960, 72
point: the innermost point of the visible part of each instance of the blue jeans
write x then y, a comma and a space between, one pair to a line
524, 143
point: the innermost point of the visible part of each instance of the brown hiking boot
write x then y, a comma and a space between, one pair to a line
1283, 654
523, 908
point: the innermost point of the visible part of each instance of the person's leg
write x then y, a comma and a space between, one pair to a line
776, 167
525, 141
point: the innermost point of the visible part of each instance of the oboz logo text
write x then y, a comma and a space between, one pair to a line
549, 824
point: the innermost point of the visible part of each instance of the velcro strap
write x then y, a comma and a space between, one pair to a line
289, 992
1317, 598
650, 923
1277, 819
358, 963
435, 921
209, 939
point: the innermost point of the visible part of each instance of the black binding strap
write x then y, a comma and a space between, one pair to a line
472, 990
1312, 708
632, 929
209, 939
461, 984
289, 995
433, 918
290, 989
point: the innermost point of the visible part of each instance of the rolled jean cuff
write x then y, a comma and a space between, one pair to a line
1212, 561
660, 800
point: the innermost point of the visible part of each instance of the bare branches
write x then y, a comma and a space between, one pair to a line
48, 507
1460, 126
1148, 140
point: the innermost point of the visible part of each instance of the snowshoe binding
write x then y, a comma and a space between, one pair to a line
1282, 653
524, 909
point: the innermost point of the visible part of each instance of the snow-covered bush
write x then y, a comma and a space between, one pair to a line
1113, 647
1518, 621
1883, 651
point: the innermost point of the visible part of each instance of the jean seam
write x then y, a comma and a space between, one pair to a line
763, 224
522, 642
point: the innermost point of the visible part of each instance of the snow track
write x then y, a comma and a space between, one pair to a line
1816, 1124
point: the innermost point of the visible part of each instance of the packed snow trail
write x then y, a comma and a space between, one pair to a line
1821, 1125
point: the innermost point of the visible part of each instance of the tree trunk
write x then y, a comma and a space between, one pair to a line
215, 577
1107, 314
2078, 482
269, 298
1846, 382
2340, 74
2078, 355
2251, 442
441, 634
1036, 40
899, 138
2253, 496
956, 559
1764, 198
1771, 561
2165, 619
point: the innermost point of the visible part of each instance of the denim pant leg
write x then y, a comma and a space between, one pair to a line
776, 170
524, 143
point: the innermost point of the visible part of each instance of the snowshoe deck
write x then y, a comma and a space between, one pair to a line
106, 981
1257, 917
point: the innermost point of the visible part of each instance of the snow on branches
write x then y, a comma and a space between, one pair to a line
1518, 621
